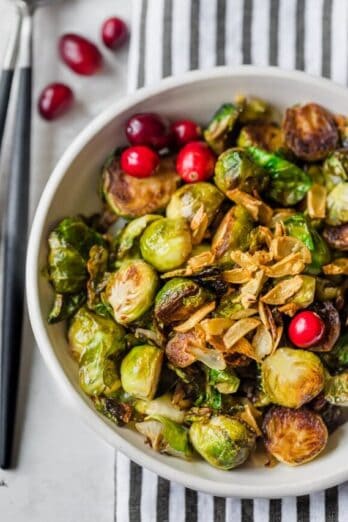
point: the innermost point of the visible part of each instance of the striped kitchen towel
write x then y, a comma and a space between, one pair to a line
170, 37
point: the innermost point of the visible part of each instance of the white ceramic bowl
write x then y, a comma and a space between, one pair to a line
71, 189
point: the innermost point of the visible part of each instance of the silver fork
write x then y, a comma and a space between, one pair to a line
15, 220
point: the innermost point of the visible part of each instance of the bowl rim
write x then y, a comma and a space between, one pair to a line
77, 403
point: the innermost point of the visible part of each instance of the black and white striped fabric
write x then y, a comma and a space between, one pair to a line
170, 37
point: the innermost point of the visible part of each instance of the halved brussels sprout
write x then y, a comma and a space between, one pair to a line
166, 436
189, 198
234, 169
337, 237
335, 168
89, 332
232, 233
337, 358
166, 243
292, 377
225, 381
289, 184
336, 389
161, 406
337, 205
330, 316
220, 126
132, 232
131, 290
222, 441
140, 371
133, 197
267, 136
310, 131
294, 436
98, 375
178, 299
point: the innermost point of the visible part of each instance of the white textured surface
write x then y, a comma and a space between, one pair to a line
65, 472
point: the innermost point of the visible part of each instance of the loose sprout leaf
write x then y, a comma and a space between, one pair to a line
65, 306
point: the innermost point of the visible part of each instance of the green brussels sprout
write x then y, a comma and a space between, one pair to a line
337, 358
140, 371
65, 306
292, 377
297, 226
189, 198
336, 389
253, 109
161, 406
337, 205
178, 299
132, 232
222, 441
267, 136
166, 436
220, 127
166, 243
133, 197
335, 168
234, 169
130, 290
230, 306
74, 232
225, 381
98, 375
232, 233
89, 332
289, 184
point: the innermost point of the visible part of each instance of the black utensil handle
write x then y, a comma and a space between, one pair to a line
5, 89
15, 235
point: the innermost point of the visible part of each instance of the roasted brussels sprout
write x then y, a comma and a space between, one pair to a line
234, 169
310, 131
133, 197
161, 406
337, 205
220, 126
65, 306
329, 314
222, 441
98, 375
225, 381
189, 198
335, 169
292, 377
337, 358
267, 136
140, 371
178, 299
288, 183
166, 436
336, 389
297, 226
166, 243
131, 290
232, 233
337, 237
131, 234
294, 436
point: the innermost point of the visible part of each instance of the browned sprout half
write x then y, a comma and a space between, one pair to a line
337, 237
331, 318
294, 437
133, 197
310, 131
267, 136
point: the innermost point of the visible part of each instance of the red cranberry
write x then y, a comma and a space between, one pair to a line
306, 329
114, 32
185, 131
139, 161
148, 128
81, 55
195, 162
55, 100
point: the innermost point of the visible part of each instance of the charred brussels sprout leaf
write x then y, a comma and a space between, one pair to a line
225, 381
189, 198
220, 126
337, 358
166, 244
131, 290
64, 306
114, 409
335, 169
294, 436
234, 169
222, 441
178, 299
140, 371
166, 436
97, 265
232, 233
292, 377
310, 131
336, 389
267, 136
289, 184
337, 205
132, 232
133, 197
